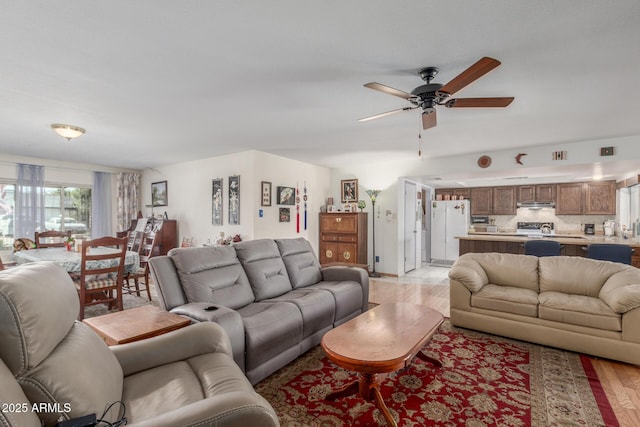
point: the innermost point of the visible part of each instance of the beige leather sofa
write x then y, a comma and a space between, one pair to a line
574, 303
53, 367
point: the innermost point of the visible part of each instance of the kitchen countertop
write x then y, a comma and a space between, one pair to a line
564, 238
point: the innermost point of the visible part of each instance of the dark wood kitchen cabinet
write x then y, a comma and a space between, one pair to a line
504, 200
536, 193
600, 198
481, 201
569, 198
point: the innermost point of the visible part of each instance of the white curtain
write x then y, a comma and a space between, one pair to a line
29, 203
128, 198
101, 206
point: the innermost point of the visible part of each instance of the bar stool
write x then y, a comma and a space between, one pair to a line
610, 252
542, 248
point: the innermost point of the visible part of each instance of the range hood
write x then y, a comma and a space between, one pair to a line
536, 205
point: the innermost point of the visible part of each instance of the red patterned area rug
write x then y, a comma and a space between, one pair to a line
485, 381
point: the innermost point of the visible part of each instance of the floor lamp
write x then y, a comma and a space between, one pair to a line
373, 194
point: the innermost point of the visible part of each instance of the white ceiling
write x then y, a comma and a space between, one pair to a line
159, 82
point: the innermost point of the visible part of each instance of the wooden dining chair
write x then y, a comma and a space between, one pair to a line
51, 238
102, 273
147, 247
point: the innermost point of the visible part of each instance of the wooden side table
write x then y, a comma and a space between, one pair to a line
135, 324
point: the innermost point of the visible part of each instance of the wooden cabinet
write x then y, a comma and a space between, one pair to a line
600, 198
536, 193
343, 238
569, 198
481, 201
504, 201
458, 193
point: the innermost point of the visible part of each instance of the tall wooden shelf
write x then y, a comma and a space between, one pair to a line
166, 233
343, 238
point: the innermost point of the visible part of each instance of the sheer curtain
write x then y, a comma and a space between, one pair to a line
128, 194
101, 209
29, 203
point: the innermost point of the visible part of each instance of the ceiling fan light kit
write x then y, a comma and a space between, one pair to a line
429, 95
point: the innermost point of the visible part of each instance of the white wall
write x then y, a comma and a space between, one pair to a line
189, 195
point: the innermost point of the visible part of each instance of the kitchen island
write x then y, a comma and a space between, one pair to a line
509, 242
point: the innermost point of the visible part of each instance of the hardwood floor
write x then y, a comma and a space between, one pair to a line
429, 286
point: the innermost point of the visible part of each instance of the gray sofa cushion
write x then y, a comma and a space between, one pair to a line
300, 261
270, 329
347, 296
264, 267
212, 274
317, 307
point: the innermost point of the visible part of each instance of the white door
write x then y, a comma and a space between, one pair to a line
410, 231
438, 231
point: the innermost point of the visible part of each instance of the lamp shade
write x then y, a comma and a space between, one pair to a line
67, 131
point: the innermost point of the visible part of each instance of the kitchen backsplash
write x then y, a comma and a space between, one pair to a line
563, 223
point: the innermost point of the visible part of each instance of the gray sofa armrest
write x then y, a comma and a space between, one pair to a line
229, 319
193, 340
235, 409
355, 274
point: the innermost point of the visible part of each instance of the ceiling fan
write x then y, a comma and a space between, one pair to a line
429, 95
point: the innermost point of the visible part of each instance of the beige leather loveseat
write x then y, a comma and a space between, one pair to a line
574, 303
54, 367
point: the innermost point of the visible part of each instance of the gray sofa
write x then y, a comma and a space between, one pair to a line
53, 367
271, 297
574, 303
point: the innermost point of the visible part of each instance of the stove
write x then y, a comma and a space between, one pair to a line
535, 228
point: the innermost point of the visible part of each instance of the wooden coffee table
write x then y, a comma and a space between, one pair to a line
379, 341
135, 324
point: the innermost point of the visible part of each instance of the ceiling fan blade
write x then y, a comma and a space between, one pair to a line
471, 74
429, 119
388, 89
478, 102
388, 113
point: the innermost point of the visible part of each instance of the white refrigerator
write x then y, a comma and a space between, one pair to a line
449, 218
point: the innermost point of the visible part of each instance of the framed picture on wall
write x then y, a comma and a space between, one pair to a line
349, 190
266, 194
285, 214
234, 200
286, 196
216, 202
159, 194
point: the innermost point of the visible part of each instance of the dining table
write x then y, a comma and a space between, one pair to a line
71, 261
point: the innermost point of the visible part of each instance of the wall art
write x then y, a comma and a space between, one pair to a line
216, 202
234, 200
266, 194
286, 196
349, 190
285, 215
159, 195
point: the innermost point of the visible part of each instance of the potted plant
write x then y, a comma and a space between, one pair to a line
69, 242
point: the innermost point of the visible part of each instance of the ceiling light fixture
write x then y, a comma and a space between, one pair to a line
67, 131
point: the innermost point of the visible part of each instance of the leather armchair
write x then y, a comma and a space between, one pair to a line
186, 377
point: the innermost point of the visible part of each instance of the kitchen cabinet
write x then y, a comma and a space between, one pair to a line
569, 198
461, 193
536, 193
481, 200
343, 238
504, 201
600, 198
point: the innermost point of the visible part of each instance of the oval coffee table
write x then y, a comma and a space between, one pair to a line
379, 341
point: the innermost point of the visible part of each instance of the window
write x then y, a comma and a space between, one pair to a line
66, 208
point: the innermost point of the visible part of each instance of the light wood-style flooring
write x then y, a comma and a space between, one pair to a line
429, 286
